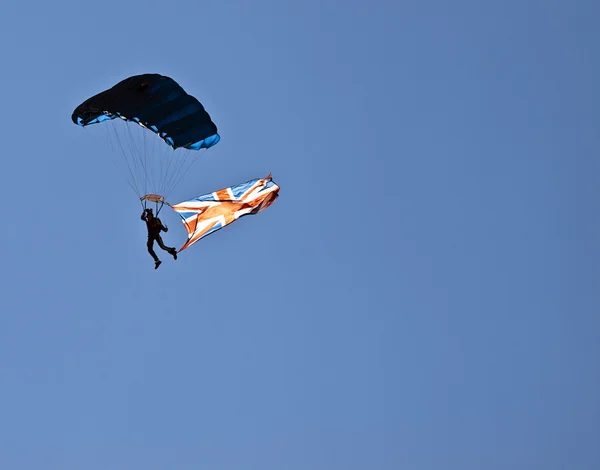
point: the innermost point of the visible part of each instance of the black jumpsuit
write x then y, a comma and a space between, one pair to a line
155, 226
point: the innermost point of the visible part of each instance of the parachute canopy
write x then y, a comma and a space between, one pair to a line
208, 213
150, 103
157, 103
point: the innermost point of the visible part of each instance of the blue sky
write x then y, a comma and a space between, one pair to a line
423, 295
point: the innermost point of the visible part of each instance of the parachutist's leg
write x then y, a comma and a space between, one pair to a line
150, 244
172, 251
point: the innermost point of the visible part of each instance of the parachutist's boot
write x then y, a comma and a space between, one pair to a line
174, 253
157, 264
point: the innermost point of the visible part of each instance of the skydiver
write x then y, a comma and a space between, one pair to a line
155, 226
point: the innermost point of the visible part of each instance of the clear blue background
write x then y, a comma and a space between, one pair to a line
423, 295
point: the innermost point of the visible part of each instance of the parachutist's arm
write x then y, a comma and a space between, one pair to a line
143, 217
160, 225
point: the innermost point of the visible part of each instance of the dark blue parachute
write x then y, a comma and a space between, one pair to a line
155, 103
159, 104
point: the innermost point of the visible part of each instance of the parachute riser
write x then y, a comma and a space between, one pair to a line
159, 202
